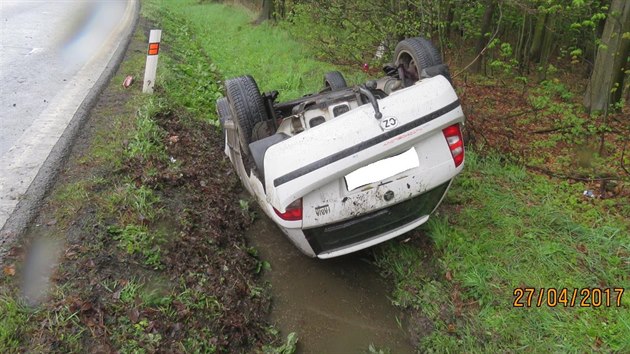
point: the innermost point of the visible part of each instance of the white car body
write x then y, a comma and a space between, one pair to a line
360, 182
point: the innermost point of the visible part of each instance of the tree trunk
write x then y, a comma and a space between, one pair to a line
450, 17
266, 13
546, 48
590, 48
282, 10
611, 62
623, 62
524, 57
539, 34
483, 40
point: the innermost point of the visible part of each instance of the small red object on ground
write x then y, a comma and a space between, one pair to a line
366, 67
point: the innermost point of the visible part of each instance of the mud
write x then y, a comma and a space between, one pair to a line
339, 305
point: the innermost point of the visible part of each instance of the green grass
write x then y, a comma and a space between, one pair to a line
69, 199
146, 139
288, 347
269, 54
65, 325
130, 203
514, 229
13, 321
187, 77
107, 147
134, 335
139, 239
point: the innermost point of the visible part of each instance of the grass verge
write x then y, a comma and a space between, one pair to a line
269, 54
500, 229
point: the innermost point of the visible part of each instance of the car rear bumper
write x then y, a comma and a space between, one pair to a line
351, 235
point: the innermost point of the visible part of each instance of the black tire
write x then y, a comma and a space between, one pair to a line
223, 110
432, 50
416, 54
247, 107
334, 81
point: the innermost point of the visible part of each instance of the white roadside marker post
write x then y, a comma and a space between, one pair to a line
152, 60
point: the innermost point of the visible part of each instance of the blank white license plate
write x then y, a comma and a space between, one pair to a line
382, 169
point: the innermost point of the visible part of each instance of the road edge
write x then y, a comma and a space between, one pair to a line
28, 207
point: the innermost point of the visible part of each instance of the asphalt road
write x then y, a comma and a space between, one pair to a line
52, 55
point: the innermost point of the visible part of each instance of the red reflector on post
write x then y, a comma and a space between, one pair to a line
154, 48
293, 211
455, 142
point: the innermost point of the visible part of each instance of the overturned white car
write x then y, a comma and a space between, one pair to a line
349, 167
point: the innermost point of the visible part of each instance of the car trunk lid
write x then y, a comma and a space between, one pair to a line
330, 151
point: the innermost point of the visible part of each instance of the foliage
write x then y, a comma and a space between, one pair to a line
346, 31
525, 38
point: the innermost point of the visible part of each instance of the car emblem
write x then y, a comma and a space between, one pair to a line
389, 123
389, 195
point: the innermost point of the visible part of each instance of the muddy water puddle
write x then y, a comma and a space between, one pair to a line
339, 305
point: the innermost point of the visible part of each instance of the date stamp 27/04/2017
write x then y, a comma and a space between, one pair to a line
552, 297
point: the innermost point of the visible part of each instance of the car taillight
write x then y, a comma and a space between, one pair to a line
293, 213
455, 142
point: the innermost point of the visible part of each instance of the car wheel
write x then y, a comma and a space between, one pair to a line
416, 54
247, 105
334, 80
